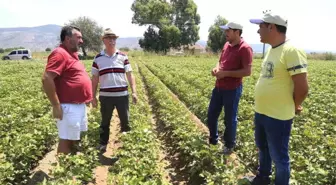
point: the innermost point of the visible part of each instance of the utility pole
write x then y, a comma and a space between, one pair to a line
263, 51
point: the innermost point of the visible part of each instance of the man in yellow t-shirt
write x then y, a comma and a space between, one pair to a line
279, 93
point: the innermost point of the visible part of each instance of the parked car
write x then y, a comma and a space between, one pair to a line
18, 54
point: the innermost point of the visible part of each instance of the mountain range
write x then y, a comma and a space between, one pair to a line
46, 36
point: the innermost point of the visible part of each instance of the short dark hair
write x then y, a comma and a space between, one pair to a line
280, 29
240, 31
67, 31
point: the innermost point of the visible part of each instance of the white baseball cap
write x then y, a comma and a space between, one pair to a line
232, 25
271, 18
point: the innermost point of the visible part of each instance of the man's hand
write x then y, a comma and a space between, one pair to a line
300, 90
298, 109
214, 71
57, 112
134, 98
94, 102
221, 74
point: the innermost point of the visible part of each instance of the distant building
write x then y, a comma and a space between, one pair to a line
191, 49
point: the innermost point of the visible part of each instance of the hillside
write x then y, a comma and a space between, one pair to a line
35, 38
40, 37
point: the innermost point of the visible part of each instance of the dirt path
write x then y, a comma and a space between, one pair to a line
173, 170
106, 159
233, 157
42, 171
171, 167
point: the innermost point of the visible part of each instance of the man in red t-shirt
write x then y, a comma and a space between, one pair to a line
234, 64
68, 87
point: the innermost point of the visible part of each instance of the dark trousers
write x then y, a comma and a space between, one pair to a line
272, 139
107, 105
229, 99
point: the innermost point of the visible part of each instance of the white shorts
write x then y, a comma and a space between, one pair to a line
74, 121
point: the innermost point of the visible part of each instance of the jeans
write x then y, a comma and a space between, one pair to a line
229, 99
107, 105
272, 139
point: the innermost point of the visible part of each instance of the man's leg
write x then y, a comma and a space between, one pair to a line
82, 111
64, 146
265, 162
122, 105
231, 102
68, 128
106, 109
74, 147
215, 107
278, 134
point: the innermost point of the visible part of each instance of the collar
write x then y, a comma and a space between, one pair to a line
104, 54
239, 44
279, 44
74, 54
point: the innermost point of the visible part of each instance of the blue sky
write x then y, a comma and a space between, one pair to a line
311, 23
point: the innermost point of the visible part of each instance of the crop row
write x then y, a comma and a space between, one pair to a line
312, 145
206, 163
138, 158
27, 131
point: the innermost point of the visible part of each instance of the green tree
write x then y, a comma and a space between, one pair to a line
150, 42
151, 12
187, 20
47, 49
170, 36
170, 24
91, 32
216, 37
2, 50
160, 40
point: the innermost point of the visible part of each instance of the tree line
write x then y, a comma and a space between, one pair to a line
170, 24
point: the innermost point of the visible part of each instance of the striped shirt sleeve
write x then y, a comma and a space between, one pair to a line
296, 61
127, 65
95, 69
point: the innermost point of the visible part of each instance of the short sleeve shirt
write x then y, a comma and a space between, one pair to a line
73, 84
234, 58
274, 89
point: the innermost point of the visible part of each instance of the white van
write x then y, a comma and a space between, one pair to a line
19, 54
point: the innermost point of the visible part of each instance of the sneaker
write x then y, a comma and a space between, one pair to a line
261, 181
102, 148
227, 151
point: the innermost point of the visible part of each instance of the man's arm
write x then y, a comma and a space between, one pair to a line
131, 80
54, 68
215, 69
49, 87
246, 61
129, 74
246, 71
296, 61
300, 88
94, 81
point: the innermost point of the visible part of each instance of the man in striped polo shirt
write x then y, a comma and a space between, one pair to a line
110, 69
